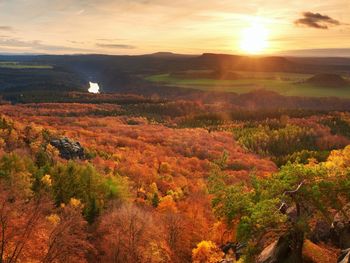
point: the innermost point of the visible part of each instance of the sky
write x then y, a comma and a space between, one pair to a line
180, 26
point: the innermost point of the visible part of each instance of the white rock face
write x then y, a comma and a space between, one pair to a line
94, 88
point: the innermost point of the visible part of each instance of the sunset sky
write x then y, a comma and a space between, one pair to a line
181, 26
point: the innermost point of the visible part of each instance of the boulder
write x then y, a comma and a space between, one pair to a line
68, 149
280, 252
277, 252
321, 232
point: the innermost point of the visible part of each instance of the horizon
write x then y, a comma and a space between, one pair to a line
301, 53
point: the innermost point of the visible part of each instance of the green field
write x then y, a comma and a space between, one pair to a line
288, 84
19, 65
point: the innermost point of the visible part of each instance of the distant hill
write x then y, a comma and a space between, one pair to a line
169, 55
336, 62
125, 74
234, 62
328, 80
321, 52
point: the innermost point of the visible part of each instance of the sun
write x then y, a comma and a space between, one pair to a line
254, 39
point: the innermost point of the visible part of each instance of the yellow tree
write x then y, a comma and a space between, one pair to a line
206, 252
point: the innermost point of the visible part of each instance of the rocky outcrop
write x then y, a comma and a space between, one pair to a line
280, 251
344, 256
321, 232
68, 149
277, 252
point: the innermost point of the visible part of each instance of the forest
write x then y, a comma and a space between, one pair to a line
184, 131
179, 158
149, 180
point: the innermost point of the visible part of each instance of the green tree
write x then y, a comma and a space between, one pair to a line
278, 142
73, 180
155, 200
310, 191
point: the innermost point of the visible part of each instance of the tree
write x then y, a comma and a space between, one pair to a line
22, 211
29, 230
131, 234
206, 252
285, 203
167, 204
19, 219
83, 182
155, 200
177, 235
68, 239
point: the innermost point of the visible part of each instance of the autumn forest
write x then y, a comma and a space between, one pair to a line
156, 185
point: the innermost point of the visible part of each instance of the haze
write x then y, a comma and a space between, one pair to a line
193, 27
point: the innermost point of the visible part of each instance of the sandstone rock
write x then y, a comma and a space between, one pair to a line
68, 149
276, 252
344, 256
321, 232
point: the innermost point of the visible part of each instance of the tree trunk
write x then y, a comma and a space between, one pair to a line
296, 245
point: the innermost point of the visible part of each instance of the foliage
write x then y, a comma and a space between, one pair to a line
320, 188
283, 144
338, 125
155, 177
83, 182
206, 252
140, 241
32, 229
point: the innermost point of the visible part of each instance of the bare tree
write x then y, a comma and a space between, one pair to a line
130, 234
68, 240
19, 218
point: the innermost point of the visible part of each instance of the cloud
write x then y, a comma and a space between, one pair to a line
80, 12
76, 42
37, 45
6, 28
316, 20
109, 39
115, 46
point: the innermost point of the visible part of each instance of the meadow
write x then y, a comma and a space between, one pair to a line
287, 84
19, 65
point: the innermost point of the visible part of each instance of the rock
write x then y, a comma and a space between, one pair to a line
268, 254
344, 256
321, 232
280, 252
68, 149
232, 250
276, 252
341, 228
